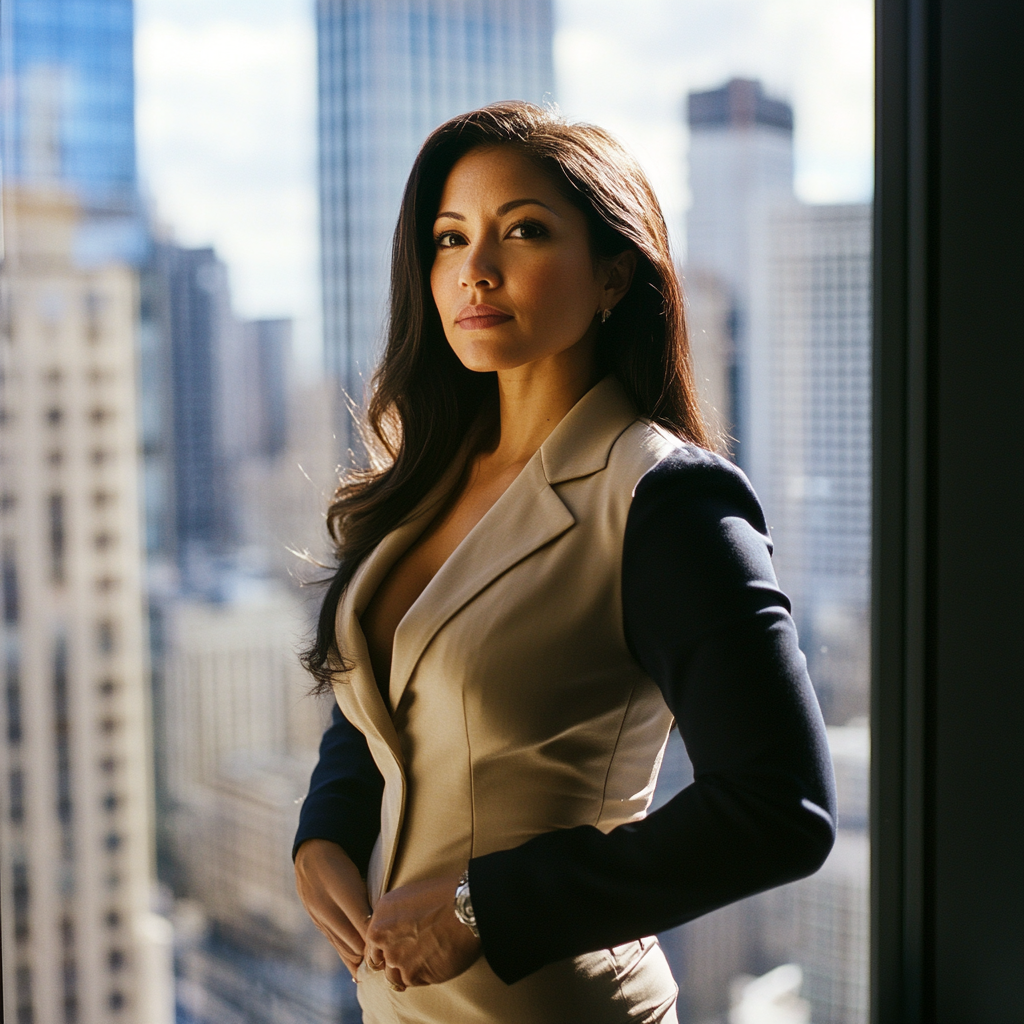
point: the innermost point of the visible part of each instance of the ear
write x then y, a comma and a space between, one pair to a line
617, 274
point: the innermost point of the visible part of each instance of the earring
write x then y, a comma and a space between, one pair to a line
605, 313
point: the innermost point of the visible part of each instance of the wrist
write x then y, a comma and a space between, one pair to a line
463, 904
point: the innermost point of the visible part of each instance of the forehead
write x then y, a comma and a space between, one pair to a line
487, 177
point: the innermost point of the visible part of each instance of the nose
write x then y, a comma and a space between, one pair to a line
480, 267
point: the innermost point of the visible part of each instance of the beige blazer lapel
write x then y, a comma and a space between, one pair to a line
357, 691
526, 517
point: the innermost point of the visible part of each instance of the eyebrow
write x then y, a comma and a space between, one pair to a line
512, 204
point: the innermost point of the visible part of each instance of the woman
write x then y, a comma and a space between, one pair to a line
549, 568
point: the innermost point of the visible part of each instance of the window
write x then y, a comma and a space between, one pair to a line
57, 538
9, 583
16, 797
106, 636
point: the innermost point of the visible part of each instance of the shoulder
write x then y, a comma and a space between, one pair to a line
671, 480
640, 447
689, 479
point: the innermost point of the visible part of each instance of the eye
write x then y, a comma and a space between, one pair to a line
527, 229
448, 240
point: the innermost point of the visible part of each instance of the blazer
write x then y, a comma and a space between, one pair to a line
622, 582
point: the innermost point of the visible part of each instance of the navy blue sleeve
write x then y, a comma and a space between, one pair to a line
343, 803
704, 616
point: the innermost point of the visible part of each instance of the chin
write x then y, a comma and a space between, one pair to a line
490, 358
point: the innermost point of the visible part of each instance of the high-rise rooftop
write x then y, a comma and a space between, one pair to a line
740, 103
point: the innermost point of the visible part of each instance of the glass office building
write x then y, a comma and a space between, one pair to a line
69, 114
389, 72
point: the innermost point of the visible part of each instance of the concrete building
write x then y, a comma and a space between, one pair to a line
281, 498
189, 360
797, 279
819, 924
809, 447
80, 943
388, 74
740, 168
234, 685
241, 739
262, 377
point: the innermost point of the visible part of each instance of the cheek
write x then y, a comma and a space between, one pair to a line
564, 291
437, 286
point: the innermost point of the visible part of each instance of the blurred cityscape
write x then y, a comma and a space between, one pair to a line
165, 471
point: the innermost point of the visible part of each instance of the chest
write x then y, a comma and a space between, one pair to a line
412, 573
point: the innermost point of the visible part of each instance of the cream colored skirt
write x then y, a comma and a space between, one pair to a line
630, 984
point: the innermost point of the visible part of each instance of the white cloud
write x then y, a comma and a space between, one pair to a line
629, 67
226, 124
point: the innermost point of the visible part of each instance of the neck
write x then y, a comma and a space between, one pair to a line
534, 398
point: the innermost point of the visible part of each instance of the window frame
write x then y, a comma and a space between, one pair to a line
947, 896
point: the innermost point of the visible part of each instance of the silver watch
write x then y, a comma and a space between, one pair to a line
464, 904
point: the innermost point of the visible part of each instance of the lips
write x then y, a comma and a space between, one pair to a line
479, 318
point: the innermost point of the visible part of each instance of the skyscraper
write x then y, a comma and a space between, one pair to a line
188, 336
809, 450
69, 116
741, 167
80, 944
798, 279
389, 72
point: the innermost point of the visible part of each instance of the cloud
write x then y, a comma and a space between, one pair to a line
629, 67
226, 125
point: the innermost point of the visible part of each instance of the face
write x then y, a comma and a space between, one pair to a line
513, 277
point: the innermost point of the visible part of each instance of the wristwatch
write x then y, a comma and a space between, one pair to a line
464, 904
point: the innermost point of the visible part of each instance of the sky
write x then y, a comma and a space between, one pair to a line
226, 114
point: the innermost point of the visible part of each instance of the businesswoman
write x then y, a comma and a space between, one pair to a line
544, 569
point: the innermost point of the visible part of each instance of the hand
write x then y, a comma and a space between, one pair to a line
416, 935
334, 895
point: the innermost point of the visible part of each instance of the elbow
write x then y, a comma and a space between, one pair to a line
807, 843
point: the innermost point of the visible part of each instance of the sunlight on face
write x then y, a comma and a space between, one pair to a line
513, 278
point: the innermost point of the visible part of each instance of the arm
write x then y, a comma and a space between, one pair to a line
703, 615
343, 803
338, 825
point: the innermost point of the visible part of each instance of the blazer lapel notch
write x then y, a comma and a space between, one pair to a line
525, 518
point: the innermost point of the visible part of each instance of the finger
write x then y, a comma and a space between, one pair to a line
350, 959
374, 957
333, 921
351, 964
393, 976
343, 946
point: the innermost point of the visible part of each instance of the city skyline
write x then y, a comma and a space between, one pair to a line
239, 173
239, 432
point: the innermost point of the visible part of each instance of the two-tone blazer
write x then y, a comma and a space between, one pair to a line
525, 713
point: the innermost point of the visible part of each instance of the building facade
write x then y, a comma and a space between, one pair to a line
388, 74
189, 361
740, 168
242, 737
809, 449
69, 116
80, 943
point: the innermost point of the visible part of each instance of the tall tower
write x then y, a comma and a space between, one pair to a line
389, 72
188, 382
741, 167
80, 944
69, 116
809, 454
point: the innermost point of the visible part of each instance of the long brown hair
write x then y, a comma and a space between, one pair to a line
424, 403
